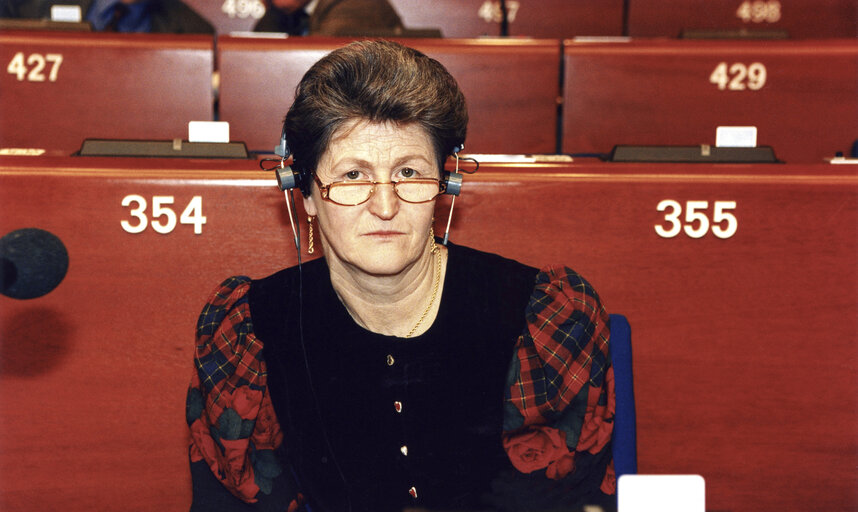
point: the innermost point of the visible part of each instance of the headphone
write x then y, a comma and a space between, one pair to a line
288, 180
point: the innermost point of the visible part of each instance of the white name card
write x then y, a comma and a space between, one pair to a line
67, 13
208, 131
736, 136
661, 493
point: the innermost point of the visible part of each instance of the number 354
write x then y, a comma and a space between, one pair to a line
163, 218
696, 221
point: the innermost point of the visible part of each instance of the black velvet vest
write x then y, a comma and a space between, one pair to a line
349, 400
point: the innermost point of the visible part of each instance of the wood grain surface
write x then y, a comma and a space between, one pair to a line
108, 86
800, 19
512, 87
658, 92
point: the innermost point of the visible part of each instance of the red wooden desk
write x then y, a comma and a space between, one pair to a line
802, 96
533, 18
745, 346
61, 88
511, 87
799, 18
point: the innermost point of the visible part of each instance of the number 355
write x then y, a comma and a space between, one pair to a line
697, 222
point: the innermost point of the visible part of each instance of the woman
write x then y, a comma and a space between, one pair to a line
396, 372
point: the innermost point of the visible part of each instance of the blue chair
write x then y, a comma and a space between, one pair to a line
625, 439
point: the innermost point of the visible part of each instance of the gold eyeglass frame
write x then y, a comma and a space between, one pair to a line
324, 190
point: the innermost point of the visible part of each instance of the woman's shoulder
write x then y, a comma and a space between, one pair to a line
559, 283
288, 279
225, 335
271, 297
553, 281
228, 297
470, 257
564, 346
242, 305
492, 273
565, 316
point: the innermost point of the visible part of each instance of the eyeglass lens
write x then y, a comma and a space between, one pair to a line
412, 191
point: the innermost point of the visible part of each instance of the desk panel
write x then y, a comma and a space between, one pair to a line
533, 18
745, 346
61, 88
512, 87
802, 96
798, 18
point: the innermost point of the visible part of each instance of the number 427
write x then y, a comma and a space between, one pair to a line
697, 221
32, 68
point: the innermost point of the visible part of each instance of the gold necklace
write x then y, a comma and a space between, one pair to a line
437, 254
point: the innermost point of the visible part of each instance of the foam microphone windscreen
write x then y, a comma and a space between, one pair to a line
32, 263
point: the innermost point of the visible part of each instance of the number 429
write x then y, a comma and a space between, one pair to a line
697, 221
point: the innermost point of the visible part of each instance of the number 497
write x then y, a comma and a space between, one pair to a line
697, 223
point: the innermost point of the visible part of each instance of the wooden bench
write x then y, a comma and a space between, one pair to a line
512, 87
801, 95
60, 88
744, 339
797, 18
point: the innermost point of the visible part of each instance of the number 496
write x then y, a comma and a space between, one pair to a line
697, 221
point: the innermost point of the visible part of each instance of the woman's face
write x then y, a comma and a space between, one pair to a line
384, 235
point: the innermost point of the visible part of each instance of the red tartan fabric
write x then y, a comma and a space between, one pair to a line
230, 415
562, 364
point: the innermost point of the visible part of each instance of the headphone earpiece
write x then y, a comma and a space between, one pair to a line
453, 179
452, 182
287, 179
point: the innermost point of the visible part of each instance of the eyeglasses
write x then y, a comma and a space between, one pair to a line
353, 193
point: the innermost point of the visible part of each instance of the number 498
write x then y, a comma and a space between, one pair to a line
697, 221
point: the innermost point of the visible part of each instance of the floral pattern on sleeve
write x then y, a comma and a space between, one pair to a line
229, 412
560, 399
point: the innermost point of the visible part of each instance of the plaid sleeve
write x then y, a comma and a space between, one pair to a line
229, 412
560, 400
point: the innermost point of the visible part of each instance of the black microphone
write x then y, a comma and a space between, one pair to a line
32, 263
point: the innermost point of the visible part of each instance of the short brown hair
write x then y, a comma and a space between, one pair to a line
377, 81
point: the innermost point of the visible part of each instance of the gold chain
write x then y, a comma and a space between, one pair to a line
434, 251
